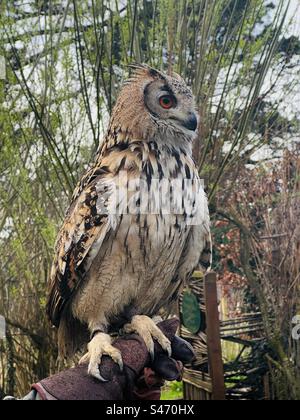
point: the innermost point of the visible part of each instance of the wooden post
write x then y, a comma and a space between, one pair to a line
215, 362
267, 390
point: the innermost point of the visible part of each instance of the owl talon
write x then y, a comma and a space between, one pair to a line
99, 346
95, 372
148, 330
151, 350
121, 365
169, 350
85, 359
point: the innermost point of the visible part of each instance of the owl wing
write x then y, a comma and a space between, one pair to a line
205, 261
86, 225
197, 252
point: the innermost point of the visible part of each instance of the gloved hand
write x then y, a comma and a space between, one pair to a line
141, 378
163, 368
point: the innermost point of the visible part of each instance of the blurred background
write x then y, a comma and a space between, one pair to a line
62, 64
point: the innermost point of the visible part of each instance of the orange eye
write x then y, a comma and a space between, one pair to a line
166, 102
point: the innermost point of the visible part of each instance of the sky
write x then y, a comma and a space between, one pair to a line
293, 17
289, 104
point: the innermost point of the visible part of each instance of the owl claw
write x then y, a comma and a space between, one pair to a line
147, 329
121, 364
95, 372
99, 346
169, 350
151, 350
85, 359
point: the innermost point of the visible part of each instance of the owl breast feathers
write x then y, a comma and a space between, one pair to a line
138, 223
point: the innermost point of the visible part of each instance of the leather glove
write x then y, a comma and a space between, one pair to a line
141, 377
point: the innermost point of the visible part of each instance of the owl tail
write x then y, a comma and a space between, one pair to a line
72, 335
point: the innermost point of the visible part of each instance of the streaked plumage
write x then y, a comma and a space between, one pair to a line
111, 267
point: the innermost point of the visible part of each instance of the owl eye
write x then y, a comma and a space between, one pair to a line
166, 101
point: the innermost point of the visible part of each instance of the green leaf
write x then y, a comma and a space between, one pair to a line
191, 314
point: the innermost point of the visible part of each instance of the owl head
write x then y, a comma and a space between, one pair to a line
152, 102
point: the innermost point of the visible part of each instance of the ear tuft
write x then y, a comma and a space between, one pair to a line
177, 77
144, 70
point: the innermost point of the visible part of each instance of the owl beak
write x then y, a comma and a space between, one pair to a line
191, 122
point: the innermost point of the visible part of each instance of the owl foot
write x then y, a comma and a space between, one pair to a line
147, 329
99, 346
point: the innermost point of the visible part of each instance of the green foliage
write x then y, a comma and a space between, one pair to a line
172, 391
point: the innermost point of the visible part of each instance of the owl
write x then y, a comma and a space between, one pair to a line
138, 224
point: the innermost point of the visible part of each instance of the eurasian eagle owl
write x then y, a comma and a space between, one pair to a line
138, 224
